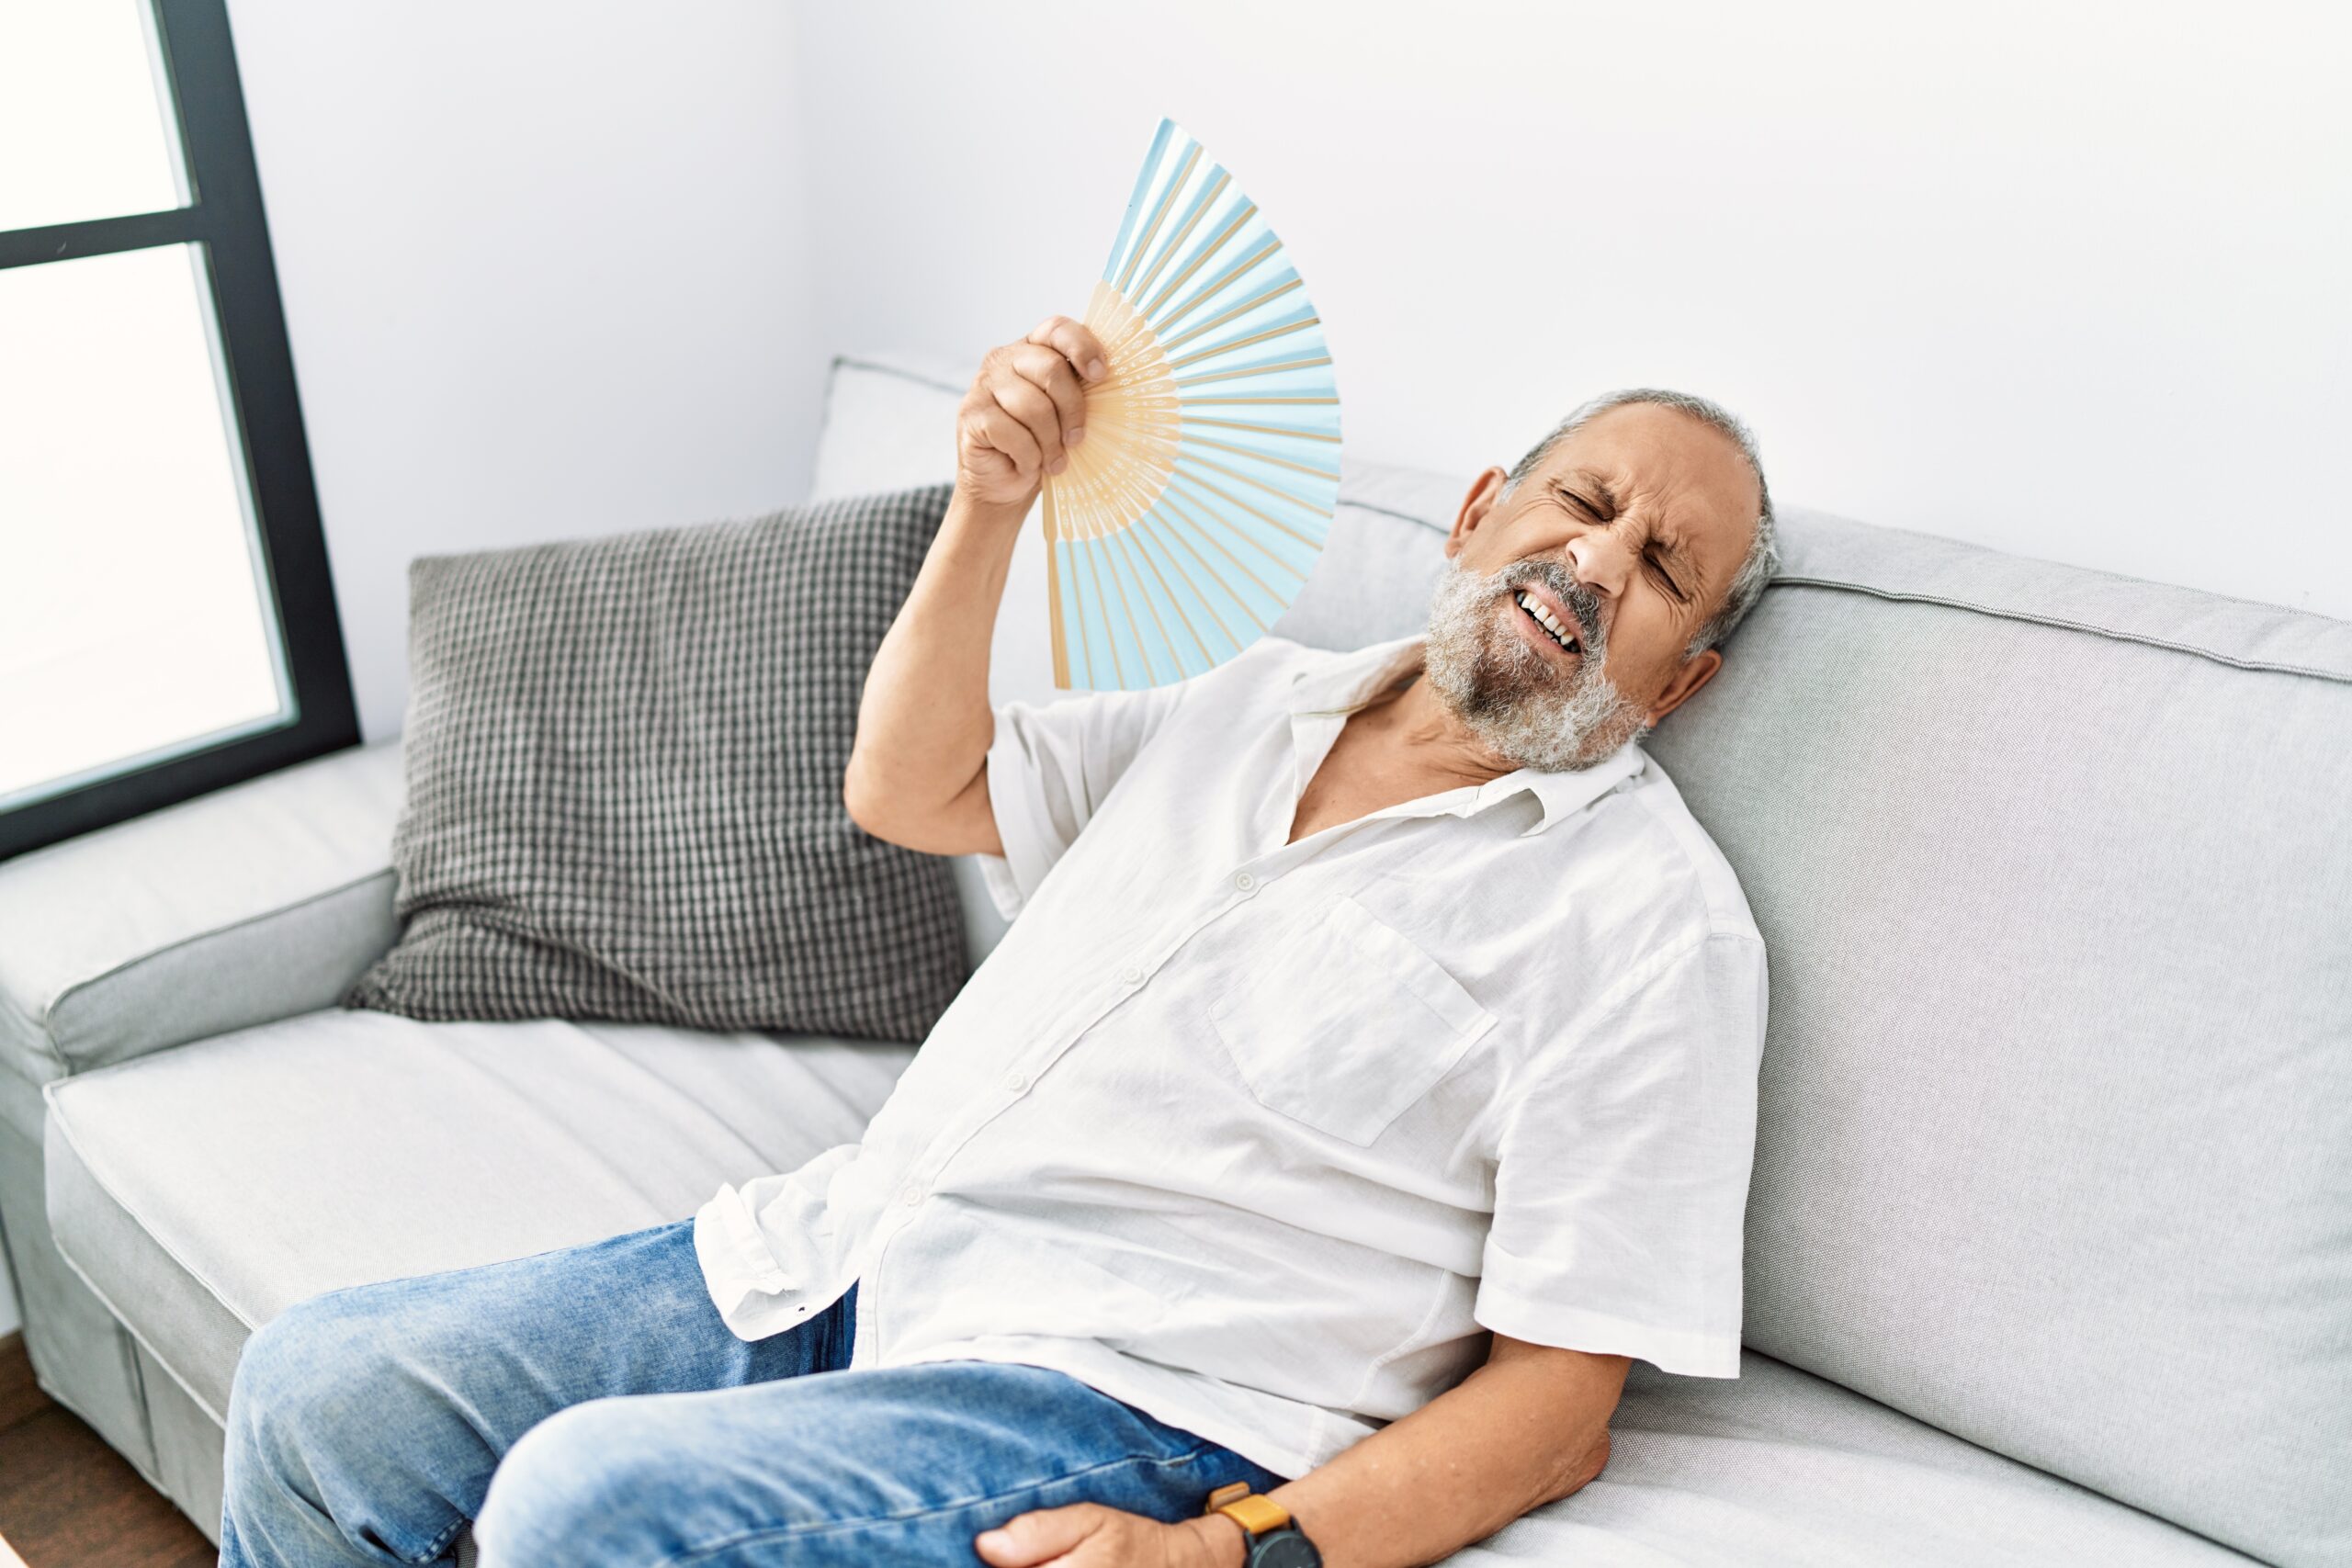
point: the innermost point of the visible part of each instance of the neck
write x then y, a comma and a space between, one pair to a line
1416, 720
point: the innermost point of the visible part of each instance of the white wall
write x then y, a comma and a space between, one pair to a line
546, 275
2065, 281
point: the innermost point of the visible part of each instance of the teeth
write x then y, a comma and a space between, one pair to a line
1550, 623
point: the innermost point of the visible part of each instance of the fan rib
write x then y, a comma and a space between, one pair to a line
1136, 422
1135, 499
1217, 320
1124, 488
1175, 600
1109, 633
1127, 547
1252, 370
1227, 397
1283, 330
1192, 220
1159, 211
1215, 467
1125, 622
1249, 211
1219, 579
1053, 593
1255, 543
1079, 602
1147, 526
1198, 482
1119, 586
1078, 612
1307, 468
1154, 161
1218, 545
1216, 286
1295, 432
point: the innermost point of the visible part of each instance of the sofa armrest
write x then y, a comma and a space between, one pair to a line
250, 903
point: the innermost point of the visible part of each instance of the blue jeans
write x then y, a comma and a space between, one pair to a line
587, 1408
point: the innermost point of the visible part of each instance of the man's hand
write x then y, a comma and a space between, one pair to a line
1527, 1429
1088, 1535
1025, 409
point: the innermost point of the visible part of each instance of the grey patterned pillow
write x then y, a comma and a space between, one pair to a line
624, 766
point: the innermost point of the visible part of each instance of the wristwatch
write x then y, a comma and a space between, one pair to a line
1276, 1539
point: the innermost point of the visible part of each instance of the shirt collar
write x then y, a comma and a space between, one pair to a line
1349, 679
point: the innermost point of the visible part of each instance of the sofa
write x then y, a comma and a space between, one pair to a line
2049, 1243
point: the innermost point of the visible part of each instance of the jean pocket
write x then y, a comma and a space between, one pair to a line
1347, 1025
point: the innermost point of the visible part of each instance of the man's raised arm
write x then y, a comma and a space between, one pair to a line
917, 775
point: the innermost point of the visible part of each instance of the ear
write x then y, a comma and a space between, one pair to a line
1694, 673
1484, 489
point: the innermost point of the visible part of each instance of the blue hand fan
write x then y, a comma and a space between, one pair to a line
1189, 517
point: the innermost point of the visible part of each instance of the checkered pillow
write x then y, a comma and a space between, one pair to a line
624, 783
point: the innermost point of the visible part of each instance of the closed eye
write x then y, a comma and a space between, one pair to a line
1580, 504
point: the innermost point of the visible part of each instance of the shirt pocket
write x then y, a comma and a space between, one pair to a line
1346, 1023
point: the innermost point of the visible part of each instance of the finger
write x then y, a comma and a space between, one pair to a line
1033, 1538
1077, 344
999, 432
1024, 401
1046, 369
990, 467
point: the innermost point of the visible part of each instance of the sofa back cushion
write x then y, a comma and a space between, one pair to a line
2054, 869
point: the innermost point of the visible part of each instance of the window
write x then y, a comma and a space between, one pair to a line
167, 622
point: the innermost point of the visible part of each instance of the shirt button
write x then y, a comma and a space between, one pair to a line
1016, 1081
1131, 975
911, 1194
1244, 880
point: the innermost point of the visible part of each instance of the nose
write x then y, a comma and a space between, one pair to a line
1602, 560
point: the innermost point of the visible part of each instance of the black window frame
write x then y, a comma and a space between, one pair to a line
225, 217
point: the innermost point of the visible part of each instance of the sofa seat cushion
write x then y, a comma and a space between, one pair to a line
203, 1190
1780, 1469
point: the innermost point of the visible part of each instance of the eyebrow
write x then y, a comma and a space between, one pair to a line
1677, 549
1608, 496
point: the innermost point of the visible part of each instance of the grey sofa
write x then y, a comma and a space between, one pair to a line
2050, 1242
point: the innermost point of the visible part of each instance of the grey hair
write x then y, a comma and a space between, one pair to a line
1763, 558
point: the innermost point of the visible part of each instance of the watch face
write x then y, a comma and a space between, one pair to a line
1285, 1548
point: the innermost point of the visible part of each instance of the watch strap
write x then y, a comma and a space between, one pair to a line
1253, 1511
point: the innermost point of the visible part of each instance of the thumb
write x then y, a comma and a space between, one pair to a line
1038, 1537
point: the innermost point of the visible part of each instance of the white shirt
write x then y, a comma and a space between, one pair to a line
1258, 1136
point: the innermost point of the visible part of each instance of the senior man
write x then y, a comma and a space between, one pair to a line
1369, 1076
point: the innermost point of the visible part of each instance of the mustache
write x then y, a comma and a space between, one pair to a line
1582, 602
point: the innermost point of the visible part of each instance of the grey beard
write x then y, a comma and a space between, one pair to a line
1513, 698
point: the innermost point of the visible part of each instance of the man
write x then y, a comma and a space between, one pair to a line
1368, 1079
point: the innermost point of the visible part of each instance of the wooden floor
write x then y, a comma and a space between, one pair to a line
69, 1501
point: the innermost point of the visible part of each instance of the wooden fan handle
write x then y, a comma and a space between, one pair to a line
1053, 592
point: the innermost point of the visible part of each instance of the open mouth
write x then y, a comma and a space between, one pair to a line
1548, 626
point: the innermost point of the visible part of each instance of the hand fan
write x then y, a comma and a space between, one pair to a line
1189, 517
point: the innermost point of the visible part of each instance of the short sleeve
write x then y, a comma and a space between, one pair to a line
1622, 1155
1049, 767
